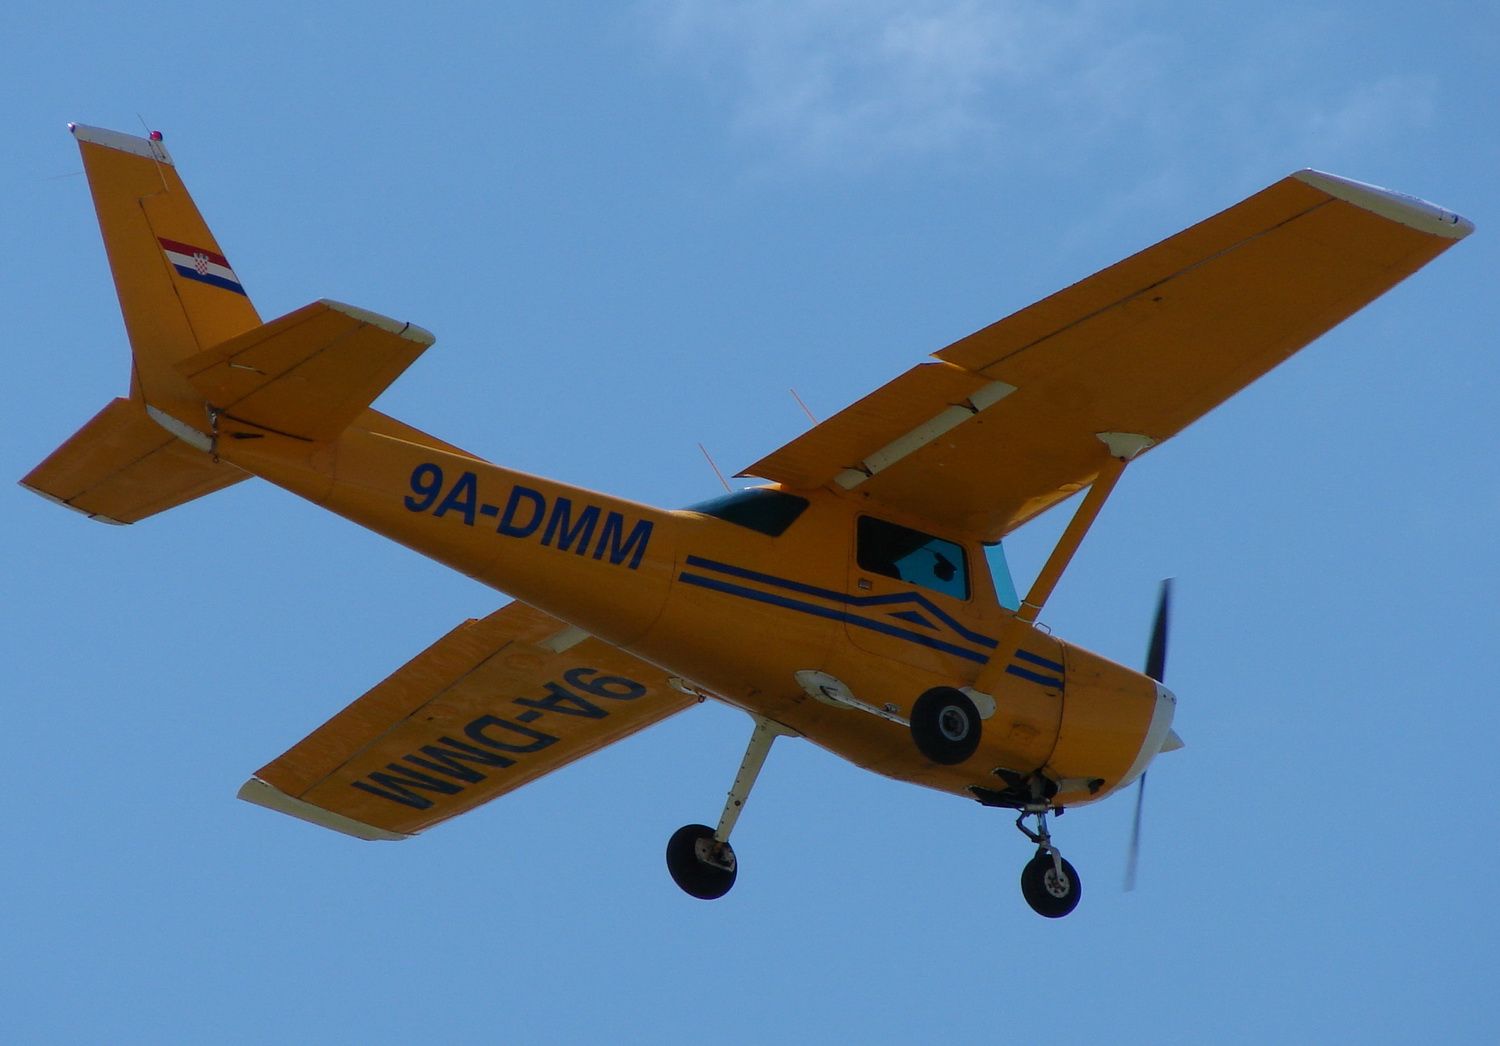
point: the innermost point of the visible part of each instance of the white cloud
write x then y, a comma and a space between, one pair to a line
845, 80
1063, 83
1369, 112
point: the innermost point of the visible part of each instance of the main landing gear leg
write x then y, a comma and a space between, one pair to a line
1049, 883
700, 858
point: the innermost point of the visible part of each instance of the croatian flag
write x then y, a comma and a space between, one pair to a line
198, 263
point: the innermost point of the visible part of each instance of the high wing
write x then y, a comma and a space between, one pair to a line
1007, 424
492, 705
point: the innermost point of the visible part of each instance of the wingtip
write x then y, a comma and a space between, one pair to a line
272, 798
1410, 211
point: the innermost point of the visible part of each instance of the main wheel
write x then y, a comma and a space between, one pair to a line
945, 725
691, 860
1047, 892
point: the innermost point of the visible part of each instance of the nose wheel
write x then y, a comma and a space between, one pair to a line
1049, 883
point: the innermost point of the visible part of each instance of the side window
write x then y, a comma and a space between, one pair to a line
912, 556
1005, 585
768, 511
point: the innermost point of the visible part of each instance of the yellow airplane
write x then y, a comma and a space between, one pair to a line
846, 601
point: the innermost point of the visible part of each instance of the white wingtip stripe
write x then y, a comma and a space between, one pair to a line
261, 794
1398, 207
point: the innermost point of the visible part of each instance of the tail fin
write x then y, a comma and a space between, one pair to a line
200, 351
177, 291
179, 296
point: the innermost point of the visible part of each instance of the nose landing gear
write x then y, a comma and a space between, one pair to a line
1049, 883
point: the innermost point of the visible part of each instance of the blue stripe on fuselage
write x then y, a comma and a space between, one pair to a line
841, 613
832, 613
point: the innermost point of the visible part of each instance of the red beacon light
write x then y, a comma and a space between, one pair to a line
155, 136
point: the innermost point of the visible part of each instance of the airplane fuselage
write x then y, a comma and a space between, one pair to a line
738, 611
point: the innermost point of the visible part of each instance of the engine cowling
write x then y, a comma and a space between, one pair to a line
1114, 722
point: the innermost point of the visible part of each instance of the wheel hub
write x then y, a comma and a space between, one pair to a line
1057, 885
954, 724
714, 854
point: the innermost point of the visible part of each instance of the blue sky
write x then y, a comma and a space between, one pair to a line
633, 227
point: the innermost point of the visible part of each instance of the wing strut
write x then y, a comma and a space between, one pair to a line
1123, 448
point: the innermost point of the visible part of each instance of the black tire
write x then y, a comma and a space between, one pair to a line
945, 725
1048, 894
689, 871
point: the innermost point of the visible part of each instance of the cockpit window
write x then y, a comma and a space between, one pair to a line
910, 555
768, 511
1005, 585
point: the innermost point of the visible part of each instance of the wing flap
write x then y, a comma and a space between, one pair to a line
1146, 346
492, 705
900, 413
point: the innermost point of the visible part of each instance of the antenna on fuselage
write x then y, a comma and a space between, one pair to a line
803, 406
711, 465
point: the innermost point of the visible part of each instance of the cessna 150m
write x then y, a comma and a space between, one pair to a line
844, 601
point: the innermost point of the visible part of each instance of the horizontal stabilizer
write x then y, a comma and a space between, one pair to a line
308, 374
122, 467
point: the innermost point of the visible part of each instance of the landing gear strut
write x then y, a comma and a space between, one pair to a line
1049, 883
699, 858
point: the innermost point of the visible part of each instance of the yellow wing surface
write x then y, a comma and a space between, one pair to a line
492, 705
1008, 422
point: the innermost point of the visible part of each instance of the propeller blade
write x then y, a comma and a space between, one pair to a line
1134, 854
1156, 668
1156, 656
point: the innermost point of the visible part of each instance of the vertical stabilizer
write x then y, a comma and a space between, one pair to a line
178, 292
179, 296
201, 353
